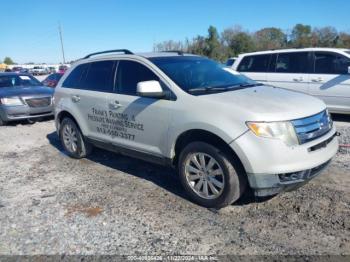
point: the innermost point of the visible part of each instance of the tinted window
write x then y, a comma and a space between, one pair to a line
230, 62
74, 78
272, 64
99, 77
256, 63
129, 74
292, 62
193, 73
328, 63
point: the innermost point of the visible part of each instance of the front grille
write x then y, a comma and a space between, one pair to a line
313, 127
39, 102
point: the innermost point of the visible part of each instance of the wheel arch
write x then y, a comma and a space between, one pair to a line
201, 135
61, 115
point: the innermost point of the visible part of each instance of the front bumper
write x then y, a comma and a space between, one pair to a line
272, 184
13, 113
273, 167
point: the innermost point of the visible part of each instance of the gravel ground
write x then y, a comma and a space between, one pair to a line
110, 204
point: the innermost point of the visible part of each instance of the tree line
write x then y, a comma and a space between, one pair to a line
235, 40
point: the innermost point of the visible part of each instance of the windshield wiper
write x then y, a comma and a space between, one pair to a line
221, 88
250, 85
206, 89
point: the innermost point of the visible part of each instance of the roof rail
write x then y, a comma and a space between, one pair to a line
179, 52
125, 51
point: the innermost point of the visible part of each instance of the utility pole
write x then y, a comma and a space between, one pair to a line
60, 32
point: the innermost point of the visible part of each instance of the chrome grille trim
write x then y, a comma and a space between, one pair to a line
313, 127
38, 101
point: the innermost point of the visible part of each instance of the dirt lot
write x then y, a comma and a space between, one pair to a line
110, 204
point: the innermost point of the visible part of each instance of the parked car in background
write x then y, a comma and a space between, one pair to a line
62, 69
17, 69
223, 132
23, 97
52, 80
51, 69
40, 70
321, 72
230, 61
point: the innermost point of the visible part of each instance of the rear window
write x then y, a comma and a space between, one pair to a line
74, 78
331, 63
255, 63
230, 62
100, 77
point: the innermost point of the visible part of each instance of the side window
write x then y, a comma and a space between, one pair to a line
328, 63
256, 63
296, 62
100, 77
74, 78
129, 74
272, 64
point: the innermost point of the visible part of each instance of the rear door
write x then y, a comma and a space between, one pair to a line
89, 88
330, 80
290, 71
254, 67
138, 123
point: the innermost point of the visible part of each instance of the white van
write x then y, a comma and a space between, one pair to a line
321, 72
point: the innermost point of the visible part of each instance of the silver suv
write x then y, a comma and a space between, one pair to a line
223, 132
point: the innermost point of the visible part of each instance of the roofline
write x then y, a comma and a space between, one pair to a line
295, 50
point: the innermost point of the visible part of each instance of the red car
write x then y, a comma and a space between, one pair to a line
52, 80
62, 69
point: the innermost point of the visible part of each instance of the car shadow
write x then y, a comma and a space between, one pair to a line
161, 176
28, 122
341, 118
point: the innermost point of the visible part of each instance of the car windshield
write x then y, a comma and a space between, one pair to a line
198, 75
18, 80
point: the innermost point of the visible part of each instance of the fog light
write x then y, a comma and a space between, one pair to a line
289, 177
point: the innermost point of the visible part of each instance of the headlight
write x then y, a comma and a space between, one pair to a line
278, 130
11, 101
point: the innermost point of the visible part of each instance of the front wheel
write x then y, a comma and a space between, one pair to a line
210, 177
72, 139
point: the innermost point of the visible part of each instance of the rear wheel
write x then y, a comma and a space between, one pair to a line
72, 139
210, 177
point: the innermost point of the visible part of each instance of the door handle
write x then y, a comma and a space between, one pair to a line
318, 79
114, 105
75, 98
299, 79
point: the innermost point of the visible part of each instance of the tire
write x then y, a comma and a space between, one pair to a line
69, 131
2, 122
31, 121
232, 178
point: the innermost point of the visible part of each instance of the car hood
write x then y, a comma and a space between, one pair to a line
25, 91
266, 103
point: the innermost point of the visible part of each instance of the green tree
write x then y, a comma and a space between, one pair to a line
324, 37
301, 36
197, 46
8, 61
214, 48
169, 45
236, 41
343, 40
270, 38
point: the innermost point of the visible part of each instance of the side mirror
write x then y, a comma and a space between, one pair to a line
150, 89
348, 69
